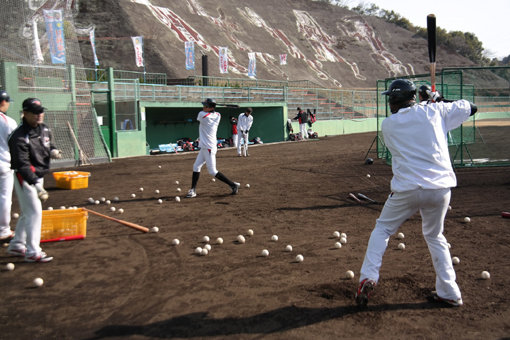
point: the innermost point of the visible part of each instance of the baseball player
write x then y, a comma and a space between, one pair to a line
244, 123
31, 148
209, 120
422, 178
7, 125
233, 122
302, 117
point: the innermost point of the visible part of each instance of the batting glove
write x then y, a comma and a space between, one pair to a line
41, 193
56, 154
435, 96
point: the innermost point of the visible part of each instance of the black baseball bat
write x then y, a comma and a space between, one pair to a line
431, 33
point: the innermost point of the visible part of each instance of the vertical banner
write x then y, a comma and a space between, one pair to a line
138, 45
38, 57
283, 59
55, 32
223, 60
252, 65
189, 48
93, 44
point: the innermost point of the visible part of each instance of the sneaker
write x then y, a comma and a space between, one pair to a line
191, 193
453, 303
7, 238
42, 257
16, 252
364, 290
235, 188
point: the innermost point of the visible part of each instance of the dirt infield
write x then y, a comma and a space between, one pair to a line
121, 283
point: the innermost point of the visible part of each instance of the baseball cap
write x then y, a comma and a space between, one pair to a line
33, 105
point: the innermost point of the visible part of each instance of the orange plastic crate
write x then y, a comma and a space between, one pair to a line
61, 225
72, 179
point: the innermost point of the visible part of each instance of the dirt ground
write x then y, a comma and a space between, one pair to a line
121, 283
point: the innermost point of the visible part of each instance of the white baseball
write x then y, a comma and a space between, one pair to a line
141, 189
156, 191
155, 229
449, 245
9, 266
50, 208
103, 199
115, 199
343, 240
63, 207
401, 246
338, 245
250, 232
206, 239
112, 209
177, 182
121, 211
449, 207
400, 236
213, 179
485, 275
133, 195
179, 190
176, 241
96, 202
108, 202
208, 247
300, 258
349, 274
241, 239
198, 250
160, 201
336, 234
343, 235
177, 199
204, 252
455, 260
274, 238
368, 175
90, 200
264, 253
38, 282
15, 215
219, 240
467, 219
159, 166
288, 248
247, 185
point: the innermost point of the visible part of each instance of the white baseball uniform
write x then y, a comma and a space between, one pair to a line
244, 124
7, 125
208, 143
422, 177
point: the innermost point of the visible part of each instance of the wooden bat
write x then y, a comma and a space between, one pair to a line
360, 195
126, 223
431, 32
83, 159
351, 195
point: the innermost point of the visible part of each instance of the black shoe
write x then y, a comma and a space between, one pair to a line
235, 188
364, 290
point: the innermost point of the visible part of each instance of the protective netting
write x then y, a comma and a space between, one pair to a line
482, 140
27, 52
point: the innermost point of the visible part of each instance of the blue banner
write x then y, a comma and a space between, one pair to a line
55, 32
252, 65
189, 47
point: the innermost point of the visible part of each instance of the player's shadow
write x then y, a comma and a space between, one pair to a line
197, 325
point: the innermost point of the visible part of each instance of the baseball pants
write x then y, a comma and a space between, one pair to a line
28, 228
432, 205
207, 157
6, 186
244, 138
302, 131
234, 139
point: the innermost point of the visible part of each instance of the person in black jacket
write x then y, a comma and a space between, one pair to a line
31, 148
302, 117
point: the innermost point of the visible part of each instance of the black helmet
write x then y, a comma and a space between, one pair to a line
4, 96
369, 161
209, 102
400, 91
422, 91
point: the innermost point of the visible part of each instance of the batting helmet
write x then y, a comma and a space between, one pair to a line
422, 91
369, 161
400, 91
209, 102
4, 96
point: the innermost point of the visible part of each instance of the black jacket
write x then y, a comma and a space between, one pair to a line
30, 151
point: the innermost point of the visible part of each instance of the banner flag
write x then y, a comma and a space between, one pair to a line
55, 32
38, 57
138, 44
93, 44
252, 65
283, 59
189, 48
223, 60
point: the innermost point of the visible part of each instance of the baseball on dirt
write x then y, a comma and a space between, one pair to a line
177, 182
108, 202
204, 252
141, 189
264, 252
338, 245
9, 266
208, 247
156, 191
115, 199
159, 166
368, 175
120, 211
485, 275
160, 201
103, 199
213, 179
96, 202
50, 208
112, 209
467, 219
250, 232
300, 258
401, 246
247, 185
449, 207
455, 260
179, 190
343, 235
336, 234
62, 207
177, 199
38, 282
155, 229
343, 240
176, 242
90, 200
241, 239
133, 195
219, 240
206, 239
400, 236
198, 250
349, 274
15, 215
274, 238
288, 248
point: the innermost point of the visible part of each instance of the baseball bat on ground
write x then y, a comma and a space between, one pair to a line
126, 223
351, 195
431, 33
366, 198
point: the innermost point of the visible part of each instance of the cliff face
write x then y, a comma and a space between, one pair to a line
326, 44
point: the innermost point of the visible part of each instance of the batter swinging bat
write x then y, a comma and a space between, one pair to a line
351, 195
360, 195
126, 223
431, 32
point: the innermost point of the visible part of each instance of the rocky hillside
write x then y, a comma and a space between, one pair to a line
326, 44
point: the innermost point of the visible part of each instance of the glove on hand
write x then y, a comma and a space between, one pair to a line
56, 154
435, 96
41, 193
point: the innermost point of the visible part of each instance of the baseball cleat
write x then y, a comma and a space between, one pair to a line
364, 290
16, 252
453, 303
42, 257
191, 193
235, 188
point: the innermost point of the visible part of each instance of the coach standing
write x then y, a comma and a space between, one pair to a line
7, 125
244, 123
302, 117
31, 148
416, 136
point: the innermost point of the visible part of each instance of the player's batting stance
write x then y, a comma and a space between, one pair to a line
416, 136
209, 120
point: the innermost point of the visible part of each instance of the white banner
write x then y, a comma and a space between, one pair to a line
93, 44
223, 60
283, 59
138, 44
252, 65
38, 57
